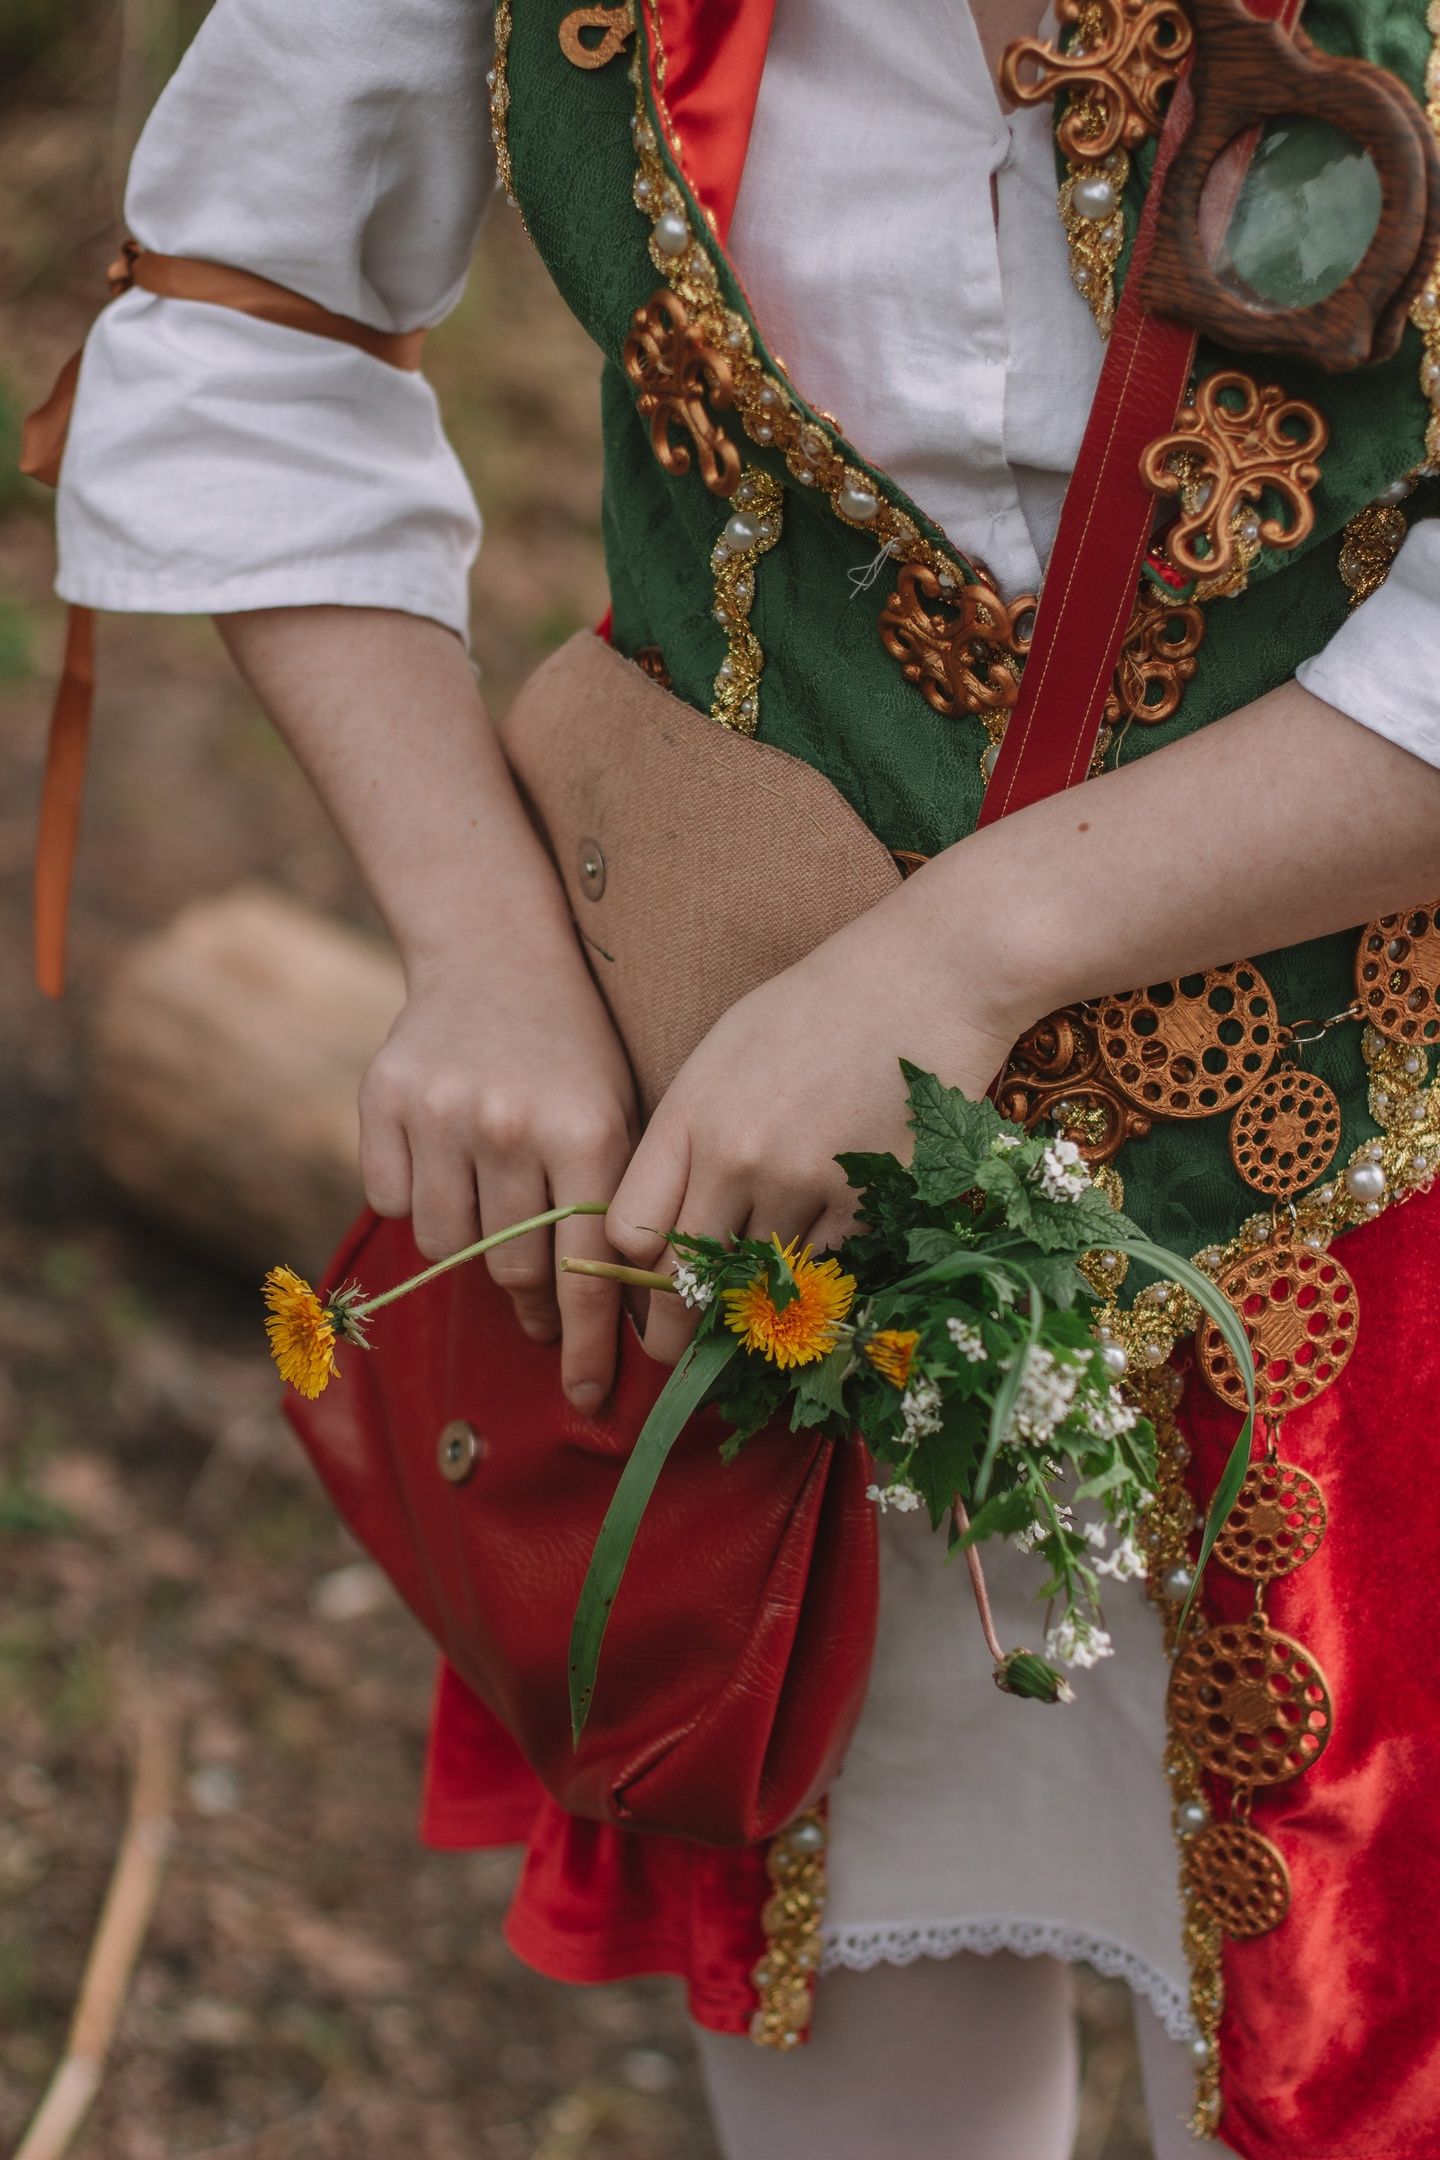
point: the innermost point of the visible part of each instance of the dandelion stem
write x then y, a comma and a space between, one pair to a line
473, 1252
613, 1271
977, 1583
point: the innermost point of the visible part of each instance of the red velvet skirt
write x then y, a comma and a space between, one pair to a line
1331, 2036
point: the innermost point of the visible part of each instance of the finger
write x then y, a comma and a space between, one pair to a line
524, 1268
589, 1306
784, 1212
647, 1201
385, 1170
443, 1196
711, 1210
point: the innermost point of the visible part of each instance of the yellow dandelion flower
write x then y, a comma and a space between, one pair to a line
892, 1352
808, 1327
301, 1329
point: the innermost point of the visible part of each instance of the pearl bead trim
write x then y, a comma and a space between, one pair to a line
768, 409
750, 533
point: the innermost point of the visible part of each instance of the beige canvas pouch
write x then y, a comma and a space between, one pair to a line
698, 863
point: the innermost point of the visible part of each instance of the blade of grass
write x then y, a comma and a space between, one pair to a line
1213, 1301
682, 1394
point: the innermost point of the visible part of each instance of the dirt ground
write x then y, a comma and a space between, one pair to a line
313, 1983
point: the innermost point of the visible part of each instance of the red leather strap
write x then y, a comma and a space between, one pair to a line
175, 277
1090, 583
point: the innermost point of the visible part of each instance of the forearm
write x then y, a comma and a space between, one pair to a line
1283, 822
383, 711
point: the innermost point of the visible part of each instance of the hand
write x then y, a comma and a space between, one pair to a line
503, 1091
800, 1070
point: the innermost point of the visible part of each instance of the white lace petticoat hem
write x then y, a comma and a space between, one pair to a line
860, 1949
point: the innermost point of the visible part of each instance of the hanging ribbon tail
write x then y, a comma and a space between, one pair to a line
60, 798
42, 439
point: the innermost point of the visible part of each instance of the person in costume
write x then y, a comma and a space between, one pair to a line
847, 186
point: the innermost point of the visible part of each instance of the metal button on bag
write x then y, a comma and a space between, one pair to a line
458, 1450
592, 869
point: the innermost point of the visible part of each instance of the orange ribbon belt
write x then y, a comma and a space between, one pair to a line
173, 277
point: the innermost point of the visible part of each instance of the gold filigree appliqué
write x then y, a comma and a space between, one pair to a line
1236, 443
1118, 72
1056, 1073
959, 643
1157, 659
616, 26
1397, 975
682, 381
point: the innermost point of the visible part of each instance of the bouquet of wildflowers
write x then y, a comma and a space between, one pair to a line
954, 1334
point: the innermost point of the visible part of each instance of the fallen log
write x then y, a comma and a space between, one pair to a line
222, 1074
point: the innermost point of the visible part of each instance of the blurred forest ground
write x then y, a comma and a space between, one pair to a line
314, 1984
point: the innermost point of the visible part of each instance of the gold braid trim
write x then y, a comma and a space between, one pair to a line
784, 1979
760, 504
497, 82
765, 405
1164, 1533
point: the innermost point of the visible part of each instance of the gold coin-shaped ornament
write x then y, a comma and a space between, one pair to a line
1284, 1136
1239, 1877
1301, 1313
1276, 1524
1251, 1703
1397, 975
1192, 1048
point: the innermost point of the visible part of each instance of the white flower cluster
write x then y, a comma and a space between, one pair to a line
1026, 1540
920, 1408
692, 1289
1125, 1564
1061, 1173
1107, 1414
967, 1340
1078, 1642
902, 1497
1045, 1396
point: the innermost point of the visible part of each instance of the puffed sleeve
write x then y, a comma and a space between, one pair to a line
216, 462
1382, 667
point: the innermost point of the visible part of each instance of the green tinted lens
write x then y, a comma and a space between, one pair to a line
1307, 213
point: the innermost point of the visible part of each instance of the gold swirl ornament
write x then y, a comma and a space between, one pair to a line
1236, 443
1118, 71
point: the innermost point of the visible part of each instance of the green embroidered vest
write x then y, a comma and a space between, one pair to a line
767, 632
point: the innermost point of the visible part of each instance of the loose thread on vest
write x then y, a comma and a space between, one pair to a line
863, 576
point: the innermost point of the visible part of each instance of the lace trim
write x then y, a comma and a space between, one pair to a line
860, 1949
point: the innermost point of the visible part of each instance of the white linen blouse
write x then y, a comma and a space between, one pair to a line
218, 463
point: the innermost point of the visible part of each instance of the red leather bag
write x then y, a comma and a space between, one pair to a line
737, 1652
736, 1656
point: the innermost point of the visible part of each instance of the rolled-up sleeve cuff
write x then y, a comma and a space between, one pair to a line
1382, 667
218, 463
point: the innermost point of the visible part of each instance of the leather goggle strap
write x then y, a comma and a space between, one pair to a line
172, 277
1092, 576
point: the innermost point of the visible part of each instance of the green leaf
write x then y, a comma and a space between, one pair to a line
780, 1279
682, 1394
953, 1135
820, 1389
944, 1460
1002, 1513
1005, 1395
